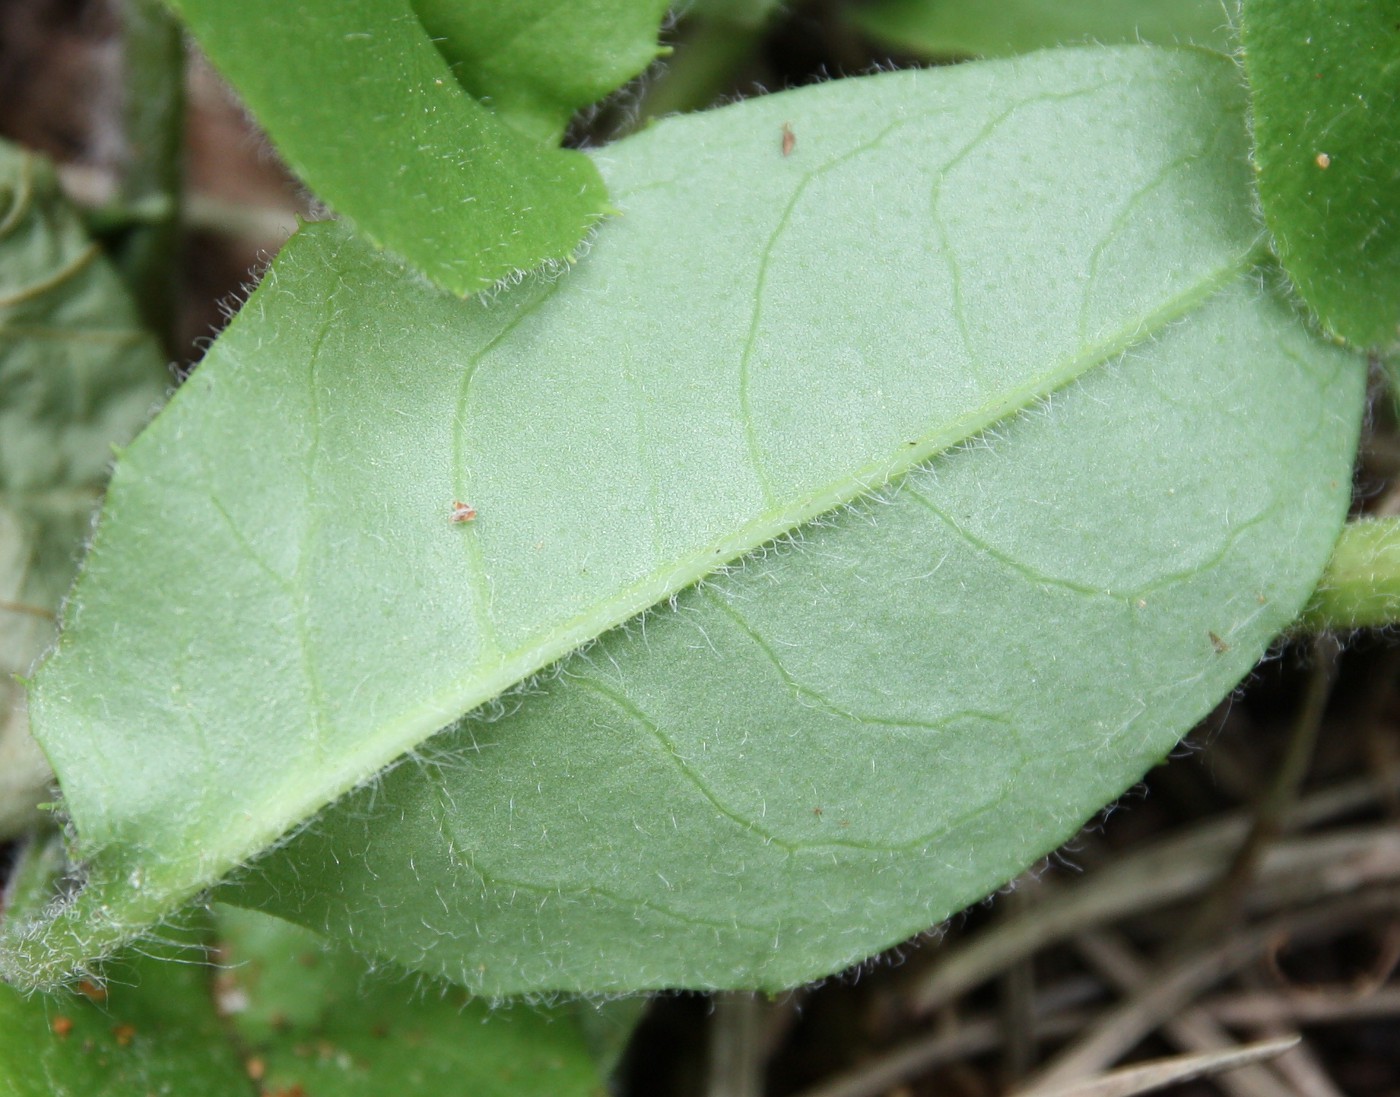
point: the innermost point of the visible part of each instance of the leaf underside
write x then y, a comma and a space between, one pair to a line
987, 614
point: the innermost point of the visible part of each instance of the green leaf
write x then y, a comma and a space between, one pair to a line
367, 112
278, 603
1325, 84
747, 14
953, 28
77, 375
856, 737
536, 62
317, 1018
151, 1030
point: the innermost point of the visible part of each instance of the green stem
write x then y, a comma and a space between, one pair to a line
1361, 586
154, 57
36, 874
702, 68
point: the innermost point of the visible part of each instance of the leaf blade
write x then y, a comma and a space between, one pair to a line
936, 28
1325, 85
537, 63
337, 553
758, 790
465, 198
372, 1032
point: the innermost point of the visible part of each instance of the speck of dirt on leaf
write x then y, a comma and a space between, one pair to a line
789, 139
1220, 646
61, 1026
1323, 161
124, 1034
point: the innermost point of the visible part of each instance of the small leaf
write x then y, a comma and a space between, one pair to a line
744, 352
367, 112
1325, 83
316, 1018
952, 28
536, 62
151, 1029
77, 375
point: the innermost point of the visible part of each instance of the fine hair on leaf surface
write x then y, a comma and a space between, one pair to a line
938, 513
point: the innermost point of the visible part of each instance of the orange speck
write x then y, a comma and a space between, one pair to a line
124, 1034
91, 991
462, 512
789, 139
1323, 161
61, 1026
256, 1068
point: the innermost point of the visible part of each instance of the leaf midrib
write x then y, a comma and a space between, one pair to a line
281, 809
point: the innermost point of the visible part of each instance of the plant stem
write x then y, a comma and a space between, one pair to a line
736, 1046
702, 68
154, 66
1361, 586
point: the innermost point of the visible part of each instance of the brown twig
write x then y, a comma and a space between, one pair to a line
1166, 871
1169, 1072
1185, 978
1224, 905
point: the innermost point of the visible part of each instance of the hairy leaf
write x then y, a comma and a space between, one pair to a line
151, 1030
860, 734
759, 341
536, 62
368, 113
77, 375
944, 28
1325, 84
316, 1020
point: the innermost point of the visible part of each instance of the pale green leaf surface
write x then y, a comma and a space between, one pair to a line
952, 28
860, 734
536, 62
742, 352
1325, 85
153, 1031
367, 112
77, 375
318, 1018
